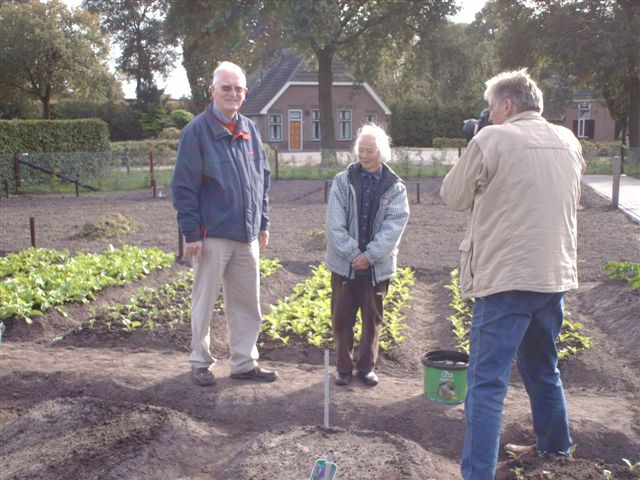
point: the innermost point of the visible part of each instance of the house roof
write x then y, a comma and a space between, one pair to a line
289, 68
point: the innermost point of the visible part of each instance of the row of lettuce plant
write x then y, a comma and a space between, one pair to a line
570, 341
168, 305
629, 271
36, 280
306, 313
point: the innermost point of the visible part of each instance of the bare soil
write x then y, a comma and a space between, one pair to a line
100, 405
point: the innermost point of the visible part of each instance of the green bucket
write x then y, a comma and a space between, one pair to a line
445, 376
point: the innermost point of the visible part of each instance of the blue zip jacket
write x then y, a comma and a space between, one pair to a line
220, 181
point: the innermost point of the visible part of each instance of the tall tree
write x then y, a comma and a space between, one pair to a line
326, 27
48, 50
137, 26
594, 43
211, 31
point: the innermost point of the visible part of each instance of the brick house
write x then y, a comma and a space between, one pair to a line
283, 101
588, 117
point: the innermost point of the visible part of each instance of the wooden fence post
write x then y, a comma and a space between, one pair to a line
459, 151
16, 171
151, 177
277, 164
418, 192
326, 191
6, 187
77, 189
180, 243
32, 228
153, 187
615, 188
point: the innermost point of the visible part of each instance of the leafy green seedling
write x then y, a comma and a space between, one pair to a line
518, 473
516, 457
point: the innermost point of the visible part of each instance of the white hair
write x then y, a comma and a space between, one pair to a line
517, 86
383, 142
228, 67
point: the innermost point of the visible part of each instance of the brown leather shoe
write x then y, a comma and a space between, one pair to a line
202, 376
257, 374
521, 450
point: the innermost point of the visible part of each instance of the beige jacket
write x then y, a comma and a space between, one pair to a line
521, 182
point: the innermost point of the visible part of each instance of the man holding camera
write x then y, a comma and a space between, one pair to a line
520, 179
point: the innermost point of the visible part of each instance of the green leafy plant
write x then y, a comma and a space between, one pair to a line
628, 271
571, 341
33, 287
306, 313
168, 305
462, 311
518, 473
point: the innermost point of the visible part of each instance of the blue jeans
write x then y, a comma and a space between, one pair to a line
505, 325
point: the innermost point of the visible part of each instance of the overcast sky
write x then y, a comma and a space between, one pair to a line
177, 84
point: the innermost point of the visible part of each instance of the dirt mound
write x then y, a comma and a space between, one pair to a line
290, 454
91, 438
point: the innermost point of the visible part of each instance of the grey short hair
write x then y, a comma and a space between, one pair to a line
517, 86
228, 67
383, 142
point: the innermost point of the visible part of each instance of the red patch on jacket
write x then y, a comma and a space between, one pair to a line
243, 134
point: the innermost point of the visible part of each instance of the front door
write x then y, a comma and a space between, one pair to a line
295, 129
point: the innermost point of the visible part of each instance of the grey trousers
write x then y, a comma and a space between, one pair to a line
236, 267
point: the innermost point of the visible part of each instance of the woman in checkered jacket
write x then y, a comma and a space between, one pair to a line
367, 213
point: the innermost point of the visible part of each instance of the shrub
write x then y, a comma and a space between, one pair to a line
442, 143
180, 118
39, 136
169, 133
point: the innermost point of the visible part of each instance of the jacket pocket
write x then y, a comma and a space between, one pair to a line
466, 274
219, 168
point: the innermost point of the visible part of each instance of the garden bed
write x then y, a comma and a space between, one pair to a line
91, 403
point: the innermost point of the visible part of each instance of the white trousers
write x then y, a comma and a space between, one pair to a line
236, 267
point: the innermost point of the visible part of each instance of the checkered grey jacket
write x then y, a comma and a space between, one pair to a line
388, 223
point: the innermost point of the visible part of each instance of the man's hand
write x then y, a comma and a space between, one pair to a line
361, 262
263, 239
193, 249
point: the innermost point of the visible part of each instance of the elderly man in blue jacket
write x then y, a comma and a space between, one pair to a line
220, 186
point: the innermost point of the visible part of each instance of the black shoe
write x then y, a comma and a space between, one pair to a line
202, 376
370, 379
343, 378
257, 374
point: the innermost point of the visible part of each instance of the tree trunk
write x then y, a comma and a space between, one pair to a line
325, 99
634, 112
46, 105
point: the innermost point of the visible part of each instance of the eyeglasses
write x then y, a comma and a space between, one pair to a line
229, 88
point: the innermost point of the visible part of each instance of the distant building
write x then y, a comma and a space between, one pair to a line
587, 116
283, 101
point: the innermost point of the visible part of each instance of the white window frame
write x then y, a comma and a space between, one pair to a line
272, 137
584, 114
345, 123
315, 125
371, 118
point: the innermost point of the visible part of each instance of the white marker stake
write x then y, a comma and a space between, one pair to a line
326, 389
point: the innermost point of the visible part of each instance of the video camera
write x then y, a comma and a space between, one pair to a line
471, 126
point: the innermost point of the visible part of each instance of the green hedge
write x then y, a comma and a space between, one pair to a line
447, 143
42, 136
